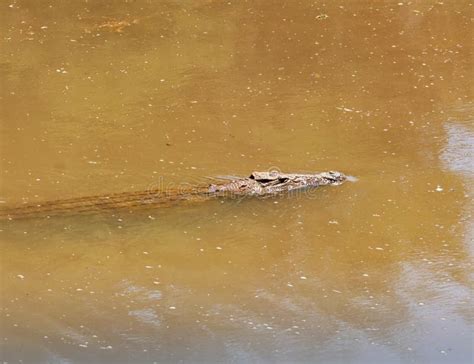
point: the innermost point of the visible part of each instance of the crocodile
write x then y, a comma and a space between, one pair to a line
258, 184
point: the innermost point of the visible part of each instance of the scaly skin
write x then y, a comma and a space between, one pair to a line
257, 184
271, 183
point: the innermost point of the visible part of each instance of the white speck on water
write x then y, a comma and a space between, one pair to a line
218, 248
148, 267
21, 276
365, 275
172, 308
334, 222
439, 188
303, 277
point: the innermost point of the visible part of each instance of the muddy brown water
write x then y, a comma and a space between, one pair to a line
99, 97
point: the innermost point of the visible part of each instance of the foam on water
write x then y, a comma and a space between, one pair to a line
352, 178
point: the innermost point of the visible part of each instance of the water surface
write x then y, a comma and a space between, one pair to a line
99, 97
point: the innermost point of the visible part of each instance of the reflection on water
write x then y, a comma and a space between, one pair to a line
100, 97
458, 154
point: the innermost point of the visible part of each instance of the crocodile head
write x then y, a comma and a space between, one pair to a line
274, 182
270, 183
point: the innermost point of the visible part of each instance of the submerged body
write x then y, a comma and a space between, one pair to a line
257, 184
